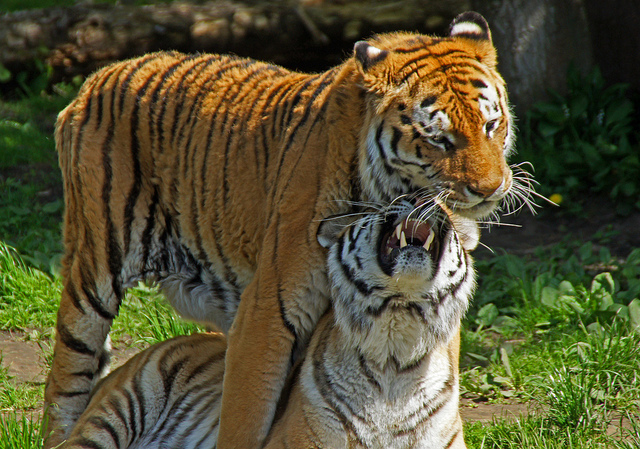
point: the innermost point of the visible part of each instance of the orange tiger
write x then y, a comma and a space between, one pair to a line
380, 372
210, 174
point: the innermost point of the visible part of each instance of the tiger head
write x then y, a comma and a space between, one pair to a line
401, 278
438, 117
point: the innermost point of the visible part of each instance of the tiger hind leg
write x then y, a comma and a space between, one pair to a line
81, 352
97, 272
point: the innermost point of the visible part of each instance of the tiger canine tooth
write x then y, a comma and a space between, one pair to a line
429, 241
403, 240
398, 231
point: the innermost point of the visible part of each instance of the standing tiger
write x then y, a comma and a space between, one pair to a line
381, 370
210, 174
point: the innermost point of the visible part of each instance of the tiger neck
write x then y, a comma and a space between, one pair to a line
354, 126
393, 374
380, 181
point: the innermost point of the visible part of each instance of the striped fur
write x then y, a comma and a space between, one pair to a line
209, 175
381, 370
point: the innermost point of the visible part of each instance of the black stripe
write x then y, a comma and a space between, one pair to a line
361, 285
212, 117
184, 407
326, 387
72, 342
383, 157
139, 392
368, 374
230, 131
148, 229
104, 78
73, 394
395, 139
424, 57
354, 232
114, 255
268, 110
376, 312
88, 374
169, 376
72, 293
428, 101
124, 85
191, 117
196, 421
85, 442
228, 272
131, 403
204, 366
103, 361
325, 81
420, 42
182, 120
159, 121
428, 54
89, 289
115, 409
134, 193
102, 423
283, 313
293, 168
202, 255
285, 119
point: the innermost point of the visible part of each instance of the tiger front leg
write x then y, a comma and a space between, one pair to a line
81, 356
277, 313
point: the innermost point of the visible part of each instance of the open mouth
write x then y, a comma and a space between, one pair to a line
404, 233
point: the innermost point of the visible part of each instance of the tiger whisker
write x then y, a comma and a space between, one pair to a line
486, 247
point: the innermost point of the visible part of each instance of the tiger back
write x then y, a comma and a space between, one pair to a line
209, 175
382, 366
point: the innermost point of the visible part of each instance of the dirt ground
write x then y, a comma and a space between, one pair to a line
24, 361
23, 358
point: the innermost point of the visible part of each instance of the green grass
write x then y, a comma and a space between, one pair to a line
18, 396
29, 297
19, 431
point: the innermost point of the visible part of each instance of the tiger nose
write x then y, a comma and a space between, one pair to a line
490, 191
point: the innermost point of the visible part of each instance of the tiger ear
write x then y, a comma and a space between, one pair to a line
367, 55
331, 228
471, 25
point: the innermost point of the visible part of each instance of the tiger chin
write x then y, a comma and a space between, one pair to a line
381, 370
209, 175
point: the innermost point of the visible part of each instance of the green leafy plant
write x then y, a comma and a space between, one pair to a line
20, 431
585, 141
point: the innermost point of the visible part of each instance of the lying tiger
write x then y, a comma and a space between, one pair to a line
209, 175
381, 370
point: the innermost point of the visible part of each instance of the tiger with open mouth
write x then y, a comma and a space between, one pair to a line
381, 370
209, 175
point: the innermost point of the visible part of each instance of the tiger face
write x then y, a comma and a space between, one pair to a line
402, 280
440, 120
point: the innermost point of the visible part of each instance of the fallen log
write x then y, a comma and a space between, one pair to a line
302, 34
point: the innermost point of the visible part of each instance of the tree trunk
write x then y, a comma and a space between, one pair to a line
537, 40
